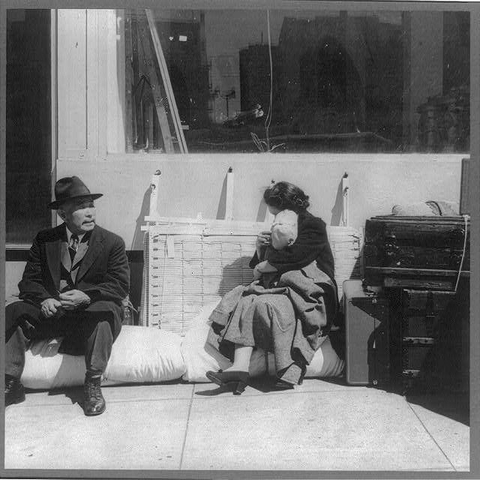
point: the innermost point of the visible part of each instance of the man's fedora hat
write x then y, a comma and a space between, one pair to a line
68, 188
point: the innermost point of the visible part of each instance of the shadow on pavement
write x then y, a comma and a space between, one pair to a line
452, 405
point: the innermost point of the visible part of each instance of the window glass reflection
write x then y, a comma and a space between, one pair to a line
297, 81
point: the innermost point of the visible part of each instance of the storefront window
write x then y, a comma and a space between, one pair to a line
296, 81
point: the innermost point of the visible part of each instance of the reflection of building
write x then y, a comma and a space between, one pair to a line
384, 78
224, 80
334, 83
331, 74
155, 88
255, 76
185, 54
301, 45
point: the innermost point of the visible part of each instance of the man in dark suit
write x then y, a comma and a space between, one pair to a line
75, 280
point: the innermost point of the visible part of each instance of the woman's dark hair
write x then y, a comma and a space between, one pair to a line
284, 195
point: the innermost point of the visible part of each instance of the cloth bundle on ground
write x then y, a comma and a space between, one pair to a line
151, 355
139, 355
432, 207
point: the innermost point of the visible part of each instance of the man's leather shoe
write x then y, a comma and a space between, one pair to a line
14, 391
94, 403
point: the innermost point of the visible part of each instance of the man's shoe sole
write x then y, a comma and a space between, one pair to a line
94, 414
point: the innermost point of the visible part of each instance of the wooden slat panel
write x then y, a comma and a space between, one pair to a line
72, 83
95, 75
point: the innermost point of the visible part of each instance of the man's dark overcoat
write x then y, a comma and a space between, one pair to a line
103, 275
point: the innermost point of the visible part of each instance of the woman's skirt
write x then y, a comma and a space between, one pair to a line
289, 320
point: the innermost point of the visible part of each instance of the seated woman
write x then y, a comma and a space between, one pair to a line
289, 307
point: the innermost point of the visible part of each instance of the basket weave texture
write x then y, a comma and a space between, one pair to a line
188, 267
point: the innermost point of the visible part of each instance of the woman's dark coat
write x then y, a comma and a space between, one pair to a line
311, 245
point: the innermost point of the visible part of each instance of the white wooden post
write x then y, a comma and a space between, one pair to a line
345, 193
268, 216
229, 195
154, 194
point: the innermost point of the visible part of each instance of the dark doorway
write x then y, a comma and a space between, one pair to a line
29, 124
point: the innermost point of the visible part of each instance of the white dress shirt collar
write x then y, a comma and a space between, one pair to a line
69, 236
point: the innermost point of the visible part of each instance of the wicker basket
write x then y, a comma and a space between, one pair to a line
190, 265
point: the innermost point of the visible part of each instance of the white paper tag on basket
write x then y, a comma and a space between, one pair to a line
170, 247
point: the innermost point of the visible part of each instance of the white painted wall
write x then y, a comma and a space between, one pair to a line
194, 183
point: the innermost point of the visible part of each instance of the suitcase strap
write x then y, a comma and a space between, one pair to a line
466, 219
429, 307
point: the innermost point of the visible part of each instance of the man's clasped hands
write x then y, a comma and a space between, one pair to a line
70, 300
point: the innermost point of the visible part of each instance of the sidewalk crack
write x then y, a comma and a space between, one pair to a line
431, 436
186, 427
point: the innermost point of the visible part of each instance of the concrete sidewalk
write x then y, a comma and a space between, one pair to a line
324, 425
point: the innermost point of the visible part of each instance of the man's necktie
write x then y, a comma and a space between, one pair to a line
73, 246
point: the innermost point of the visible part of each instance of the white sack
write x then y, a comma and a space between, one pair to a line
139, 355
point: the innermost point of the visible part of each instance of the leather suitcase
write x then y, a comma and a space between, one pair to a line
416, 359
367, 354
434, 346
416, 252
422, 311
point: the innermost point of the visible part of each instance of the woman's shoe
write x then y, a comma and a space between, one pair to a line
291, 376
302, 375
283, 385
234, 380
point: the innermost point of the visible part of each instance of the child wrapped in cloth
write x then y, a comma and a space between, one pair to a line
290, 306
284, 232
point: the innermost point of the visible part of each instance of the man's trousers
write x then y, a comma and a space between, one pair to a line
84, 333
